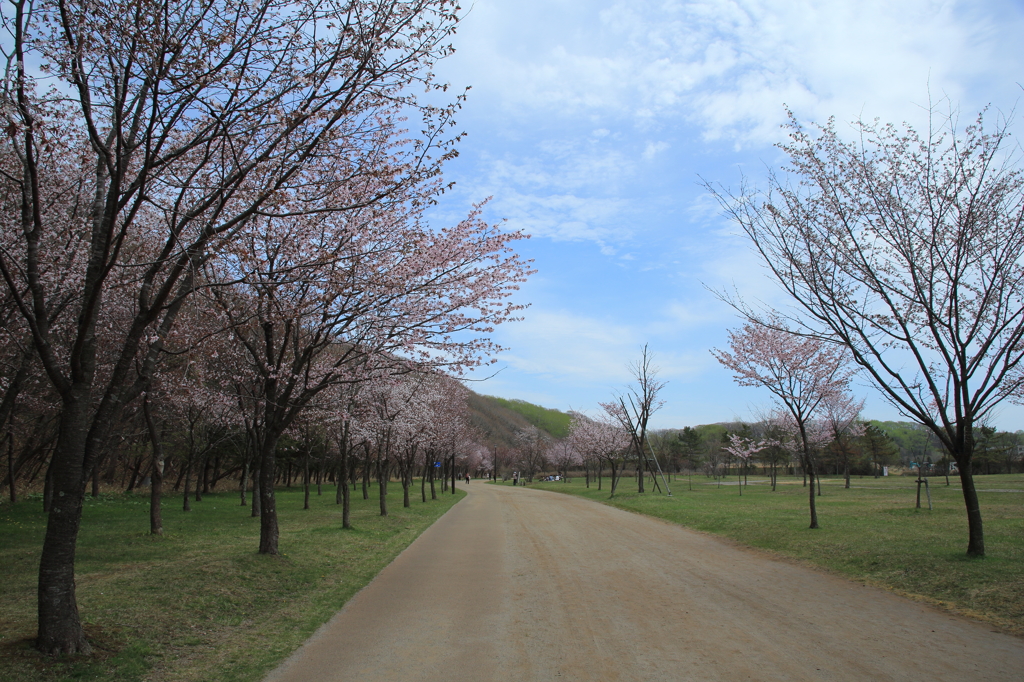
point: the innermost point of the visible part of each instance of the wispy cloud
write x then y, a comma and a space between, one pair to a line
729, 65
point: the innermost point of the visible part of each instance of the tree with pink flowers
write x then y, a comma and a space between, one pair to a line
743, 448
182, 127
905, 247
801, 373
602, 440
842, 422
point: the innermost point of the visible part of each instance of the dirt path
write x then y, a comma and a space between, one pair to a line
520, 584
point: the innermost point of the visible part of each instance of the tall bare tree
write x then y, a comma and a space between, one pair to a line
634, 408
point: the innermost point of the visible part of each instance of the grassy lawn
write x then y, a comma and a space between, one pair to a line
871, 533
198, 603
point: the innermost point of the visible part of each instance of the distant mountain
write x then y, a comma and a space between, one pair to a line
499, 419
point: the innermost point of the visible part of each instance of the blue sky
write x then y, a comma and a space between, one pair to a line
591, 122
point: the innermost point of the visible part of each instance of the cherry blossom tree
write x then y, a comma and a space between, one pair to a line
531, 448
780, 441
801, 373
183, 121
564, 456
743, 448
841, 418
603, 440
905, 248
313, 295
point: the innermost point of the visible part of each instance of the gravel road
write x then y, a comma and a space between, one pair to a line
521, 584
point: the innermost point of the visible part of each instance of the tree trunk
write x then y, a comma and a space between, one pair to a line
342, 479
200, 473
48, 487
809, 471
156, 475
268, 504
305, 480
976, 535
243, 479
406, 484
382, 485
366, 476
186, 506
640, 468
433, 489
423, 482
346, 493
60, 628
136, 470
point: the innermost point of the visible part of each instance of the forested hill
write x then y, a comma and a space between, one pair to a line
499, 419
555, 422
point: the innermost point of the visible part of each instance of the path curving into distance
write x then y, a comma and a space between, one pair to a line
526, 585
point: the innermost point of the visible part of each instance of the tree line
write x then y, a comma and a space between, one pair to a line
214, 232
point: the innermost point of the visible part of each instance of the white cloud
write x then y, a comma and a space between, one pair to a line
653, 149
569, 345
729, 65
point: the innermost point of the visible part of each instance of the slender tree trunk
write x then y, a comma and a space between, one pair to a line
342, 479
423, 482
346, 495
382, 485
188, 483
406, 484
640, 467
200, 473
243, 479
10, 467
809, 471
366, 476
305, 480
343, 476
156, 474
268, 504
433, 488
135, 469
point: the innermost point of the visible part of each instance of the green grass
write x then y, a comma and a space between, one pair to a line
198, 603
871, 533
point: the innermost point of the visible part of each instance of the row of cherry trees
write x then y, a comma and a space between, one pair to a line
213, 213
